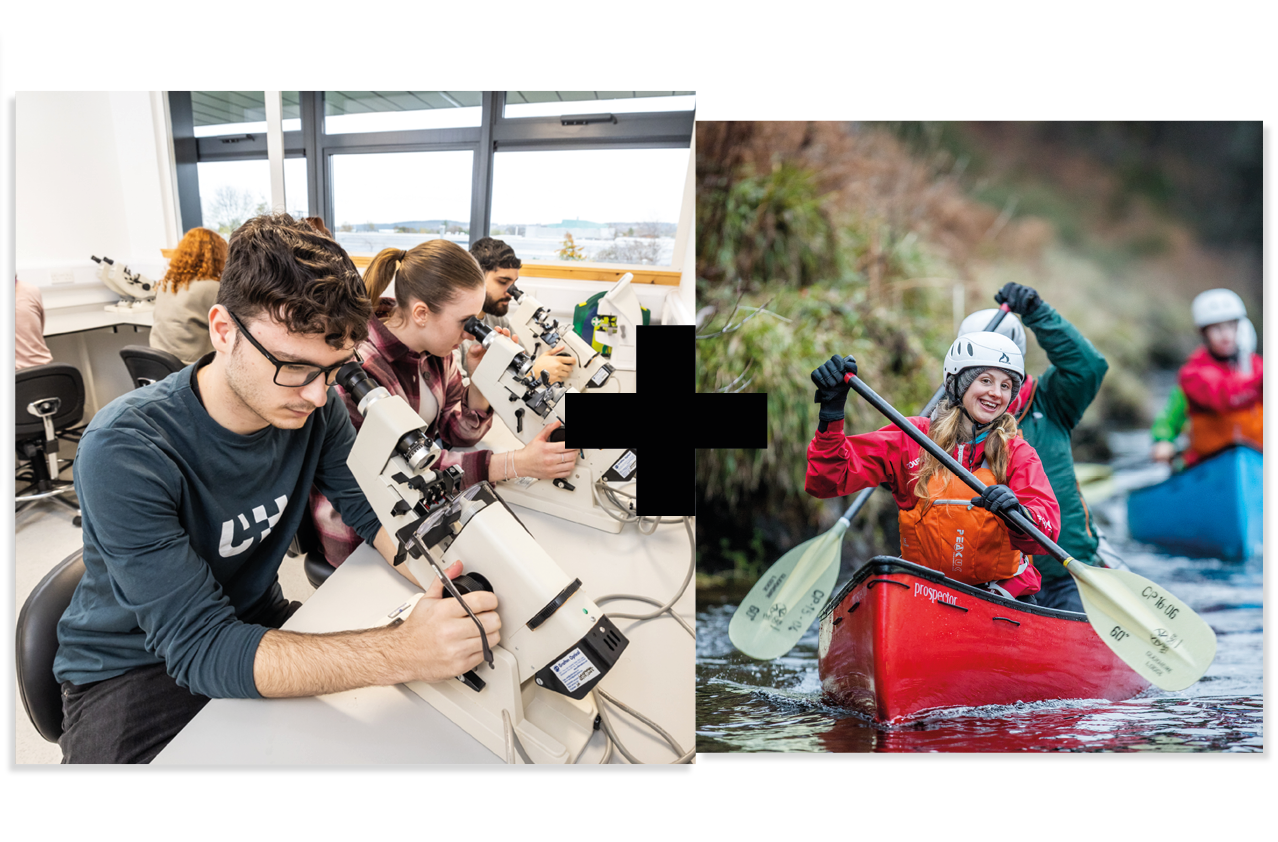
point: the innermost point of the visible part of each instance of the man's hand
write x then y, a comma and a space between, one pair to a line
437, 640
439, 635
559, 367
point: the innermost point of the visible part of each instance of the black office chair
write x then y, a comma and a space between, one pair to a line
148, 365
307, 542
49, 400
38, 645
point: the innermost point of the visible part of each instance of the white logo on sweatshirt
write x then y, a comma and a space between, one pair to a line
227, 548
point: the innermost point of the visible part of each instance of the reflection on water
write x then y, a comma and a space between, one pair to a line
746, 705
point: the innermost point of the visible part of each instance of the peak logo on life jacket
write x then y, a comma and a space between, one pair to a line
227, 546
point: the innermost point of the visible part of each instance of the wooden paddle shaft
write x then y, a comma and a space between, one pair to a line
1013, 517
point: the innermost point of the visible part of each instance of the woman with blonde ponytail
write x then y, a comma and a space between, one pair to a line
421, 299
942, 526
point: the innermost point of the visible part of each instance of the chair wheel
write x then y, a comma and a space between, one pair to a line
75, 521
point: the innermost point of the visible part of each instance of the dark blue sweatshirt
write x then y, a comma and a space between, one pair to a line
185, 526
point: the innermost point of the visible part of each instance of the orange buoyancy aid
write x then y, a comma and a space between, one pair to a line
1213, 431
949, 535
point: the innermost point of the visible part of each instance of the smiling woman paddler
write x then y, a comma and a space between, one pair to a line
942, 526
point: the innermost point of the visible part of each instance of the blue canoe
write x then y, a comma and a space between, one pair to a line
1212, 510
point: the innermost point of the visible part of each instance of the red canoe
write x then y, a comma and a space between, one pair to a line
900, 639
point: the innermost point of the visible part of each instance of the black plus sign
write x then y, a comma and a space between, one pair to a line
669, 417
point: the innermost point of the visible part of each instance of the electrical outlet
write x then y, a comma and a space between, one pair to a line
61, 278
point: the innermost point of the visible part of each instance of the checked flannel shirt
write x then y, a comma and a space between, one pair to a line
391, 364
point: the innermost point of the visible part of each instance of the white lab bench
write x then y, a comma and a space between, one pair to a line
94, 316
388, 725
391, 725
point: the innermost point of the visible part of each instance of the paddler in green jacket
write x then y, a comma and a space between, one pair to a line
1047, 409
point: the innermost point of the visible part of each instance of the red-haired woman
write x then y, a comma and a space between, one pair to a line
186, 294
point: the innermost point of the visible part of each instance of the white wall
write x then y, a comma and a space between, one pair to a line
89, 172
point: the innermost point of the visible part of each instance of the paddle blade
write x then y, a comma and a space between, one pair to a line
786, 599
1155, 633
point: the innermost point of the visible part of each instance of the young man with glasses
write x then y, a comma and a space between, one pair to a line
191, 490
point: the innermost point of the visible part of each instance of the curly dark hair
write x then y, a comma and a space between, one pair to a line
200, 256
282, 266
494, 254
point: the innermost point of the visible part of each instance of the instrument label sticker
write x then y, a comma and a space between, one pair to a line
574, 670
625, 466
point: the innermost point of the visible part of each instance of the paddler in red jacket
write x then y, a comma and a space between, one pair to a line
942, 526
1222, 380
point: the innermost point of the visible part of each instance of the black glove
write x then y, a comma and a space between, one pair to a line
1022, 299
832, 391
997, 499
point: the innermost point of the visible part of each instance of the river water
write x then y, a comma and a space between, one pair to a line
745, 705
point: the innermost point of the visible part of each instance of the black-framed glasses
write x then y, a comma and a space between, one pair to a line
294, 375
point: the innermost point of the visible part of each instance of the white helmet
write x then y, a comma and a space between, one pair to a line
1010, 327
982, 350
1217, 305
987, 350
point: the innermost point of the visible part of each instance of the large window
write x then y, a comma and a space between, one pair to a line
565, 176
233, 191
400, 199
596, 205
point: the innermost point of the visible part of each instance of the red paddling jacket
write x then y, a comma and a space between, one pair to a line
1225, 405
977, 546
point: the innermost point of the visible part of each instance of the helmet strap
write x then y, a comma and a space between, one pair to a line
977, 429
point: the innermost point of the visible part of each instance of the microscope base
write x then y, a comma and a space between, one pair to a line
577, 505
552, 728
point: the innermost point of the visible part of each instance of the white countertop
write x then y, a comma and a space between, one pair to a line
92, 317
390, 725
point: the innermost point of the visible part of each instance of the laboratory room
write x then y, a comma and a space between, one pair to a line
295, 480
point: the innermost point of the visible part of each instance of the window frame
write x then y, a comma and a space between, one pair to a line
643, 130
